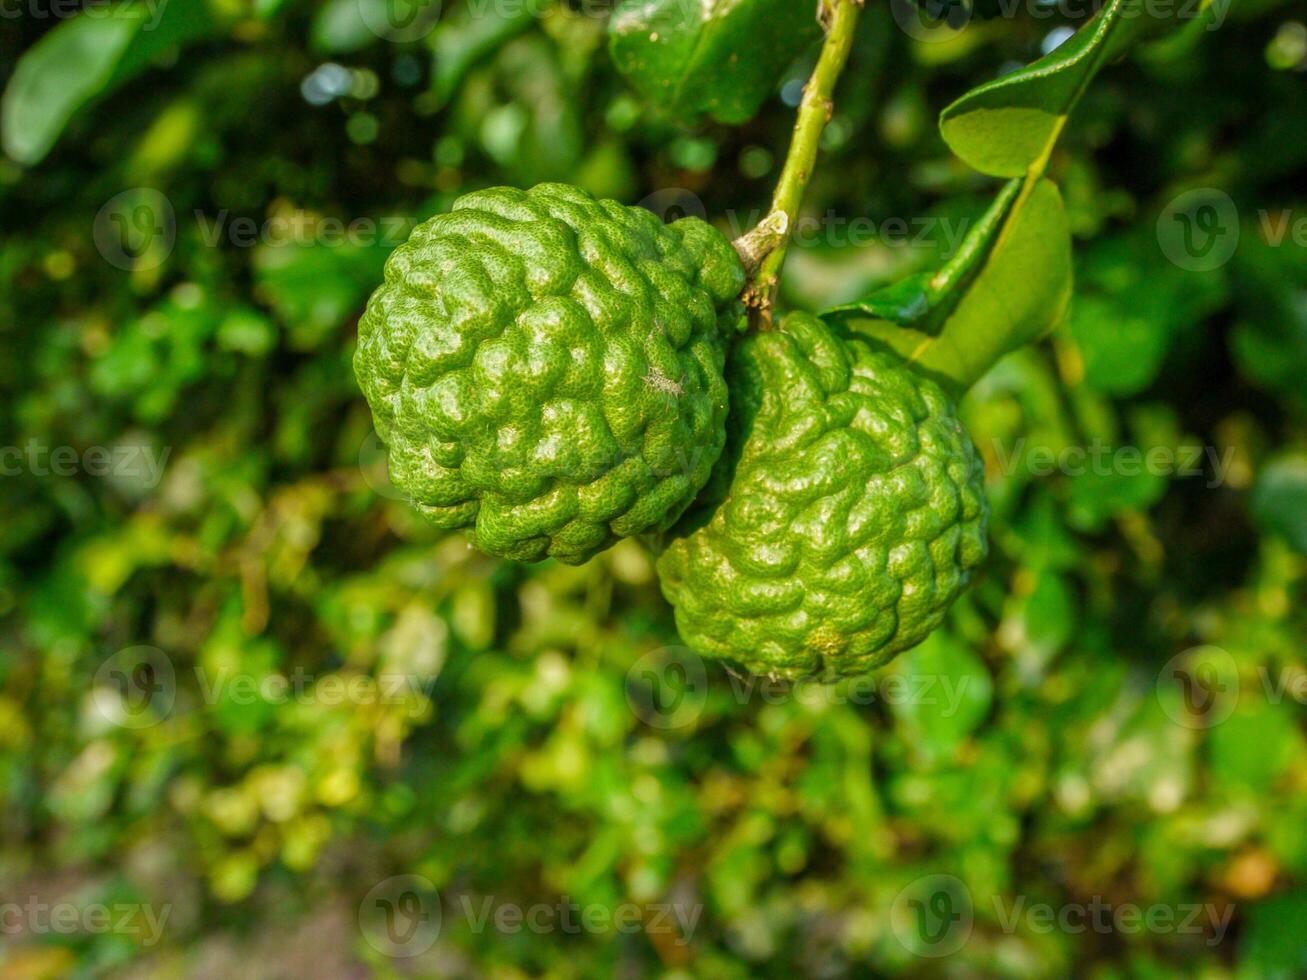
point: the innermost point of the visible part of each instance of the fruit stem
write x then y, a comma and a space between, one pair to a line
839, 17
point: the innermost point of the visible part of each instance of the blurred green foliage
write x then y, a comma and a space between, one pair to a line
194, 214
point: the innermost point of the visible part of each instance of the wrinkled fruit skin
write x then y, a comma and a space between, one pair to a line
546, 368
853, 517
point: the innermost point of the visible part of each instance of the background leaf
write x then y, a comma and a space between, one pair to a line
86, 58
722, 57
1280, 499
1132, 306
461, 41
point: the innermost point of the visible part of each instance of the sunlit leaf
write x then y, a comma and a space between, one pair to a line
1008, 126
1008, 286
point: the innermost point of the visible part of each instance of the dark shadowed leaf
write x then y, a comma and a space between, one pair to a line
84, 59
722, 57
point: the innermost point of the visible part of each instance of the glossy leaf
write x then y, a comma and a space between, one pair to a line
86, 58
1008, 286
1008, 126
722, 57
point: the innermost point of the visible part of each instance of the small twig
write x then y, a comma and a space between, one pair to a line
839, 18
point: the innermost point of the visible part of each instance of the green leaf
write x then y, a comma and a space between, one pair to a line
924, 300
83, 59
1269, 339
1038, 624
339, 27
1108, 484
465, 39
1279, 500
1009, 284
1272, 946
523, 110
314, 286
1007, 127
1131, 306
1253, 747
722, 57
950, 693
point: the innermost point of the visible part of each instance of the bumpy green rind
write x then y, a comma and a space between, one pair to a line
849, 511
546, 368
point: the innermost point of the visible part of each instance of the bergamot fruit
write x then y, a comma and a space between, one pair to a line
546, 368
846, 515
